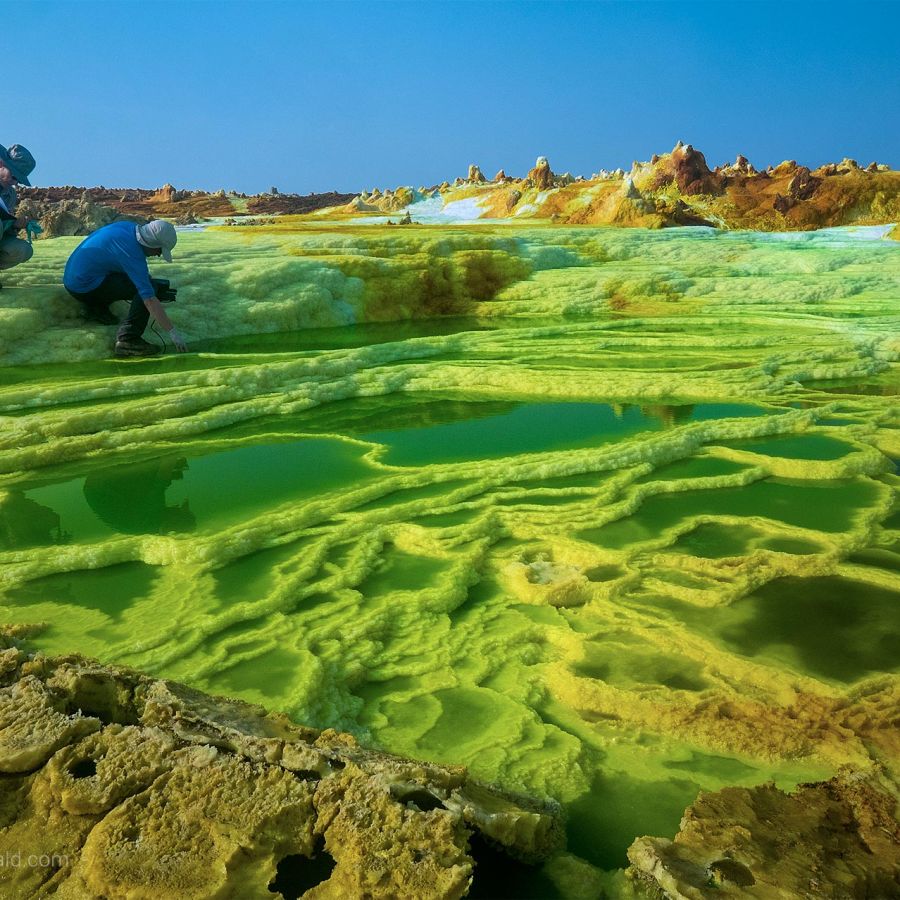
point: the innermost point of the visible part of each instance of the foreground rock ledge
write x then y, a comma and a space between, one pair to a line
831, 840
114, 784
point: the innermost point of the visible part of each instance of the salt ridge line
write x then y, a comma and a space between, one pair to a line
257, 394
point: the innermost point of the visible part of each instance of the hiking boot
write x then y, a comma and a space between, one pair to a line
101, 316
135, 347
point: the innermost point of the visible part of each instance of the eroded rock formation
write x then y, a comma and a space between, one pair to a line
72, 217
675, 188
540, 177
75, 210
120, 785
688, 169
838, 838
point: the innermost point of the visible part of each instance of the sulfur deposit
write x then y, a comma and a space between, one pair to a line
134, 787
607, 516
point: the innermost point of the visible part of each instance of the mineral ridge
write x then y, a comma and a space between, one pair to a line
605, 515
134, 787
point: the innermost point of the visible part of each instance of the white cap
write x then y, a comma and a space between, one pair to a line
158, 233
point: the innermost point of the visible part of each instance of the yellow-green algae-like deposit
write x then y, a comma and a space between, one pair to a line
607, 516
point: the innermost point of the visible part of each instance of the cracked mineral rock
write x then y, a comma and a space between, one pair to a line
119, 785
833, 839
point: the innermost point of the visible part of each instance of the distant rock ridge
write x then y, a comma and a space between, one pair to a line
674, 188
73, 210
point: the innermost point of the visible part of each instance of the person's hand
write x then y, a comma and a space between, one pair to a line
178, 340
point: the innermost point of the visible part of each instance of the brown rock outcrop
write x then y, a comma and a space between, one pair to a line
540, 177
838, 838
684, 166
692, 174
803, 185
125, 786
475, 175
166, 194
138, 203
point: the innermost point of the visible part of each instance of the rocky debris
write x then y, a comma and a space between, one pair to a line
501, 177
65, 218
250, 221
540, 177
838, 838
475, 175
131, 786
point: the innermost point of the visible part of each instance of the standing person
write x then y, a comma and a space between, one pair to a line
16, 164
110, 265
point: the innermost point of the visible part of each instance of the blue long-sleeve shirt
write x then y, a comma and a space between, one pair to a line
113, 248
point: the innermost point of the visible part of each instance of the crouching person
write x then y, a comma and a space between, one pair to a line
110, 265
16, 164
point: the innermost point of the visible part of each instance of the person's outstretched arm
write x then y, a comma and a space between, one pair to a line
156, 310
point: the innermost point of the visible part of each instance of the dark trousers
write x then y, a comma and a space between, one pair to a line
118, 286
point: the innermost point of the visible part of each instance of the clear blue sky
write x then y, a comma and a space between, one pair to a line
318, 96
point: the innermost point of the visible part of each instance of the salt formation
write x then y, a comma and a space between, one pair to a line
131, 786
608, 515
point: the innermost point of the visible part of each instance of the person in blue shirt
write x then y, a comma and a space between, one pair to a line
110, 265
16, 164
